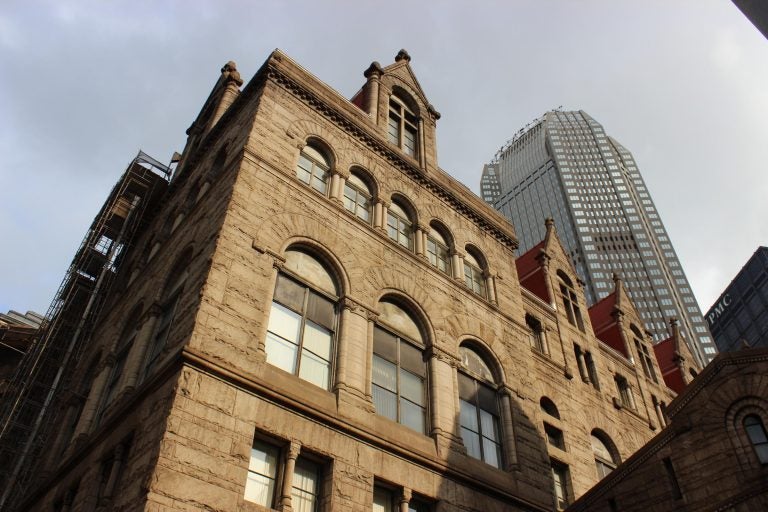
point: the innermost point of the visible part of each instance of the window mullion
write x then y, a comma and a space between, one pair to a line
302, 325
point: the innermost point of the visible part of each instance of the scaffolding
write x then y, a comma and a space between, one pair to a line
28, 417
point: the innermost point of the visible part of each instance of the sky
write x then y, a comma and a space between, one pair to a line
682, 84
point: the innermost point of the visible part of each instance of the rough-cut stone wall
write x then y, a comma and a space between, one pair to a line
192, 422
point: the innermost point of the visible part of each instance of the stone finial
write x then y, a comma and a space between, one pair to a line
549, 223
373, 70
402, 55
229, 73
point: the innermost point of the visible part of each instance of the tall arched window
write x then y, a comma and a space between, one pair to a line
302, 320
605, 460
570, 301
399, 368
400, 225
169, 306
757, 436
402, 126
124, 344
644, 354
479, 414
357, 197
438, 250
313, 168
473, 273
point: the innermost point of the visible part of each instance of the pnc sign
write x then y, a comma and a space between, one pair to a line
718, 309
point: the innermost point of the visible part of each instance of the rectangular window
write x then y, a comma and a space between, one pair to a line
262, 484
554, 436
625, 392
560, 484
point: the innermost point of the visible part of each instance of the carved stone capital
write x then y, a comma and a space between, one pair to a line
443, 356
293, 450
355, 306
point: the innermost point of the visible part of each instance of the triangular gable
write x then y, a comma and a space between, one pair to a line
531, 273
401, 68
605, 323
666, 355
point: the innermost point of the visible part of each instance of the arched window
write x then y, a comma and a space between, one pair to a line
605, 461
549, 407
757, 436
570, 301
479, 414
169, 306
473, 274
313, 169
399, 369
644, 354
124, 344
438, 250
402, 126
302, 320
400, 225
357, 197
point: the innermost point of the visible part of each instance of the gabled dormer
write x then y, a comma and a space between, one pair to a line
397, 105
675, 360
608, 318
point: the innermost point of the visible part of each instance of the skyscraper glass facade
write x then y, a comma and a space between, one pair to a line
566, 167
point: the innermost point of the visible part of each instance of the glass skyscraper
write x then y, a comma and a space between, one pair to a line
564, 166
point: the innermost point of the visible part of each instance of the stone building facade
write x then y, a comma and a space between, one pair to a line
319, 318
713, 455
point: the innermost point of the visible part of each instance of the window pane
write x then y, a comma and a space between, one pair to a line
487, 399
409, 141
314, 369
411, 415
281, 353
467, 388
284, 323
412, 387
393, 129
384, 344
491, 453
471, 442
385, 402
382, 500
289, 293
317, 340
412, 360
384, 373
321, 310
262, 468
468, 416
489, 426
305, 486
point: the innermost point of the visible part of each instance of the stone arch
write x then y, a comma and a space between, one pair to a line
324, 255
412, 308
488, 355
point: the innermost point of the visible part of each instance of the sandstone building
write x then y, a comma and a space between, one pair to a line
713, 455
314, 316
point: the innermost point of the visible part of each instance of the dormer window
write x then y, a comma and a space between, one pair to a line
402, 126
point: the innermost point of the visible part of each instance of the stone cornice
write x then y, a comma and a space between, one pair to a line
282, 71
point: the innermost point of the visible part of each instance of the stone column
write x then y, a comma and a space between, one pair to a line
353, 349
373, 74
421, 150
94, 397
405, 499
659, 413
114, 471
490, 286
384, 208
378, 208
277, 264
418, 235
444, 400
508, 429
371, 317
289, 464
134, 362
582, 367
457, 262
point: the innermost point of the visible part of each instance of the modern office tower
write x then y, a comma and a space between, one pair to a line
564, 166
308, 314
739, 317
490, 189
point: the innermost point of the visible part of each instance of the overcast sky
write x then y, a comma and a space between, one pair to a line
682, 84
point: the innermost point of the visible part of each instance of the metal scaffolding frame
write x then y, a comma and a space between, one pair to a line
27, 418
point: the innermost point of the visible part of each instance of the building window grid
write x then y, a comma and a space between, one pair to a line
313, 169
402, 127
